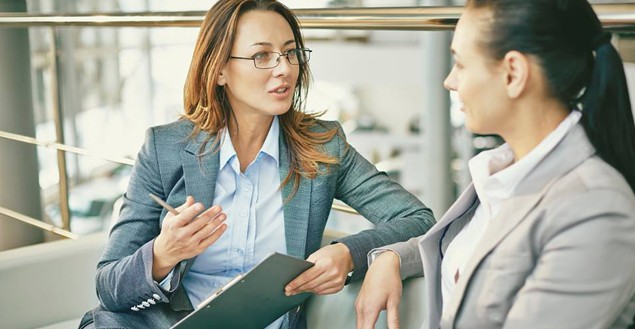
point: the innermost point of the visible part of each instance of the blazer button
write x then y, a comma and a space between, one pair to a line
145, 304
140, 306
151, 301
134, 308
156, 296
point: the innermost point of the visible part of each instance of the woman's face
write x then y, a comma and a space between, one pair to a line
252, 91
476, 77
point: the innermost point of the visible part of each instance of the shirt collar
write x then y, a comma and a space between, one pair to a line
494, 173
270, 146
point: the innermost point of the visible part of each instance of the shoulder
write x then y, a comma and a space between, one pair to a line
594, 177
594, 190
174, 131
326, 125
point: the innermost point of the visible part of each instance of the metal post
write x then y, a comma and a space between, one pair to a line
436, 177
19, 183
58, 119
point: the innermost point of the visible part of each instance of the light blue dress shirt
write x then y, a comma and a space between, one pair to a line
255, 220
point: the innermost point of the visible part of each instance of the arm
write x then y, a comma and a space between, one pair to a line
397, 214
124, 272
139, 253
585, 273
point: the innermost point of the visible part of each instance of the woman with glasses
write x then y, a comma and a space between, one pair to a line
545, 235
252, 174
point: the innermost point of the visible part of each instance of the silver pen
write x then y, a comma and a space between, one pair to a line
163, 204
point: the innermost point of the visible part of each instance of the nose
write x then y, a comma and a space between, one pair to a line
283, 67
450, 81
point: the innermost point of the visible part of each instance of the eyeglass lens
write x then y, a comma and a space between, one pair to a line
272, 59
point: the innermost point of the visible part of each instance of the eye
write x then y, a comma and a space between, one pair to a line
261, 56
292, 53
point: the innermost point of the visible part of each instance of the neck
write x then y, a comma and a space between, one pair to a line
248, 134
535, 120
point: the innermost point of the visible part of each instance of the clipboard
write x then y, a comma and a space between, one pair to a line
252, 300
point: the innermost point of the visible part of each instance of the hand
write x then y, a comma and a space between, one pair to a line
328, 275
185, 235
381, 290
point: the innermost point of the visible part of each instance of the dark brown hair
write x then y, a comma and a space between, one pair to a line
582, 68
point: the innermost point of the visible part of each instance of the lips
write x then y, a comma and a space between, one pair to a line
281, 92
281, 89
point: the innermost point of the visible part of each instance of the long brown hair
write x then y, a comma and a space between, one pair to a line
206, 104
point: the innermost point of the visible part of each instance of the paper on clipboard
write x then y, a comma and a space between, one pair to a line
252, 300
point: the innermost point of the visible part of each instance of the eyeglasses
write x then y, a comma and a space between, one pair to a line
271, 59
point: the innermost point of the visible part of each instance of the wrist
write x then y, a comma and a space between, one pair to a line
350, 265
390, 258
161, 264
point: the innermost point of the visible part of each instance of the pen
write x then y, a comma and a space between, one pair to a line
163, 204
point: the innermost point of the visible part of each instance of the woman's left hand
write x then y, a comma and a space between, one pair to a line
328, 275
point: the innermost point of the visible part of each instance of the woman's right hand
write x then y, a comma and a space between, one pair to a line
185, 235
381, 290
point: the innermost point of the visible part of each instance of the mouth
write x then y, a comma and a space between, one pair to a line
279, 90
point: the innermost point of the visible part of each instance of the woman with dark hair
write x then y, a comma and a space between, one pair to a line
252, 173
544, 237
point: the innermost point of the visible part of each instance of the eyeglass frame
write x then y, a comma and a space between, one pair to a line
285, 54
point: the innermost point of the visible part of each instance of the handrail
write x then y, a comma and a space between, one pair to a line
66, 148
38, 223
615, 17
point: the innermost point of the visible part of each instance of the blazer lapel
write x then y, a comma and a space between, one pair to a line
296, 211
200, 172
200, 175
568, 154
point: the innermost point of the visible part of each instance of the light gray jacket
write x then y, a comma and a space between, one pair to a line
560, 253
168, 166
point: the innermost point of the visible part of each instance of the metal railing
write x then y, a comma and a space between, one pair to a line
615, 17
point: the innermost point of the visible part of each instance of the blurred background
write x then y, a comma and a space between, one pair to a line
107, 85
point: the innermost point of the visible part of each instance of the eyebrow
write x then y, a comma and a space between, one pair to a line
269, 44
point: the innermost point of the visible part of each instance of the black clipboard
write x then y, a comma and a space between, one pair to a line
252, 300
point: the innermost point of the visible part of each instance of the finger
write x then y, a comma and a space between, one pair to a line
186, 216
322, 283
392, 315
200, 221
188, 202
207, 228
366, 317
327, 288
212, 238
302, 279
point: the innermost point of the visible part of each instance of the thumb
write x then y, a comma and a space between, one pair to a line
188, 202
392, 315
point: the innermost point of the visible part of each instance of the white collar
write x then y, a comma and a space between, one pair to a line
494, 174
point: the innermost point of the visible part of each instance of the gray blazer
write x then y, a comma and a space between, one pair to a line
560, 253
168, 166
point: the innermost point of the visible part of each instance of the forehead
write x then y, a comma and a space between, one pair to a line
262, 27
470, 30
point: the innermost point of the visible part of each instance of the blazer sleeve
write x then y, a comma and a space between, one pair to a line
124, 272
585, 273
397, 214
410, 264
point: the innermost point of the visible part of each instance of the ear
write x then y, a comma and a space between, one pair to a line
222, 77
516, 69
